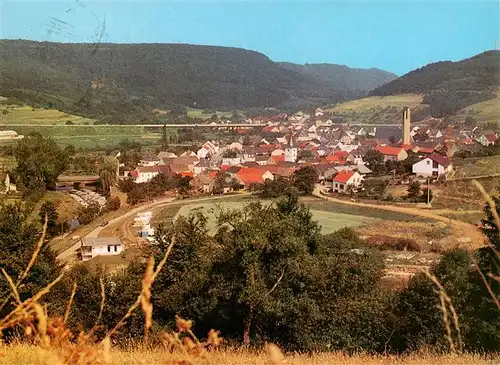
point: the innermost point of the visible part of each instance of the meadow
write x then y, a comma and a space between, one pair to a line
329, 221
17, 114
377, 109
27, 355
486, 111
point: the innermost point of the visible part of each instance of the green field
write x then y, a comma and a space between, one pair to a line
198, 113
16, 114
486, 111
481, 166
329, 221
376, 109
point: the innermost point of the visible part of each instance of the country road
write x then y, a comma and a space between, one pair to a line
66, 254
464, 229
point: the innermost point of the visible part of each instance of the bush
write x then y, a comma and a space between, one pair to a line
408, 245
112, 204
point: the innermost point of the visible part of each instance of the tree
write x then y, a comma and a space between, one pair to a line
374, 160
112, 204
49, 210
374, 188
18, 238
39, 160
230, 154
305, 179
470, 121
414, 190
108, 174
89, 213
164, 137
303, 154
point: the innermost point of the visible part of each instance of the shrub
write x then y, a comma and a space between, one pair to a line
112, 204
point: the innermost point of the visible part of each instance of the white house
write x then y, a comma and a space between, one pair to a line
231, 161
355, 157
203, 153
102, 246
236, 146
146, 173
149, 161
345, 179
434, 165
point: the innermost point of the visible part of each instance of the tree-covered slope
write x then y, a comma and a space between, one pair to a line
122, 82
342, 76
450, 86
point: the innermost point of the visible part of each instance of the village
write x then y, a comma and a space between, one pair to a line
348, 162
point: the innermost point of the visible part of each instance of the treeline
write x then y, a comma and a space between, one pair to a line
123, 83
450, 86
267, 273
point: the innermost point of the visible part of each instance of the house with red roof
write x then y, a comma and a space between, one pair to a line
250, 175
391, 153
433, 165
346, 180
146, 173
488, 139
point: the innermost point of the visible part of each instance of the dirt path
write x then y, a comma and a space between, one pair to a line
463, 229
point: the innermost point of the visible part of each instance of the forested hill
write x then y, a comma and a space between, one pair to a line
343, 76
122, 82
450, 86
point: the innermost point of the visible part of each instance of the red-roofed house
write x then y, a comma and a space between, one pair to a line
391, 153
346, 180
433, 165
250, 175
488, 139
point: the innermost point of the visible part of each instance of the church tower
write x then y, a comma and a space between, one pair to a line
291, 151
406, 125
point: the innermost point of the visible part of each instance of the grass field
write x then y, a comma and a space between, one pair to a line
328, 220
486, 111
198, 113
376, 109
481, 166
27, 115
28, 354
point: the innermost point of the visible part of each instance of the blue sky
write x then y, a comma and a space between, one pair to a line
397, 36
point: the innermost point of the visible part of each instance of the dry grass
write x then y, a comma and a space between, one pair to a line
26, 354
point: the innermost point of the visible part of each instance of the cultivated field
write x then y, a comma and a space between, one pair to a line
329, 221
473, 167
28, 115
486, 111
377, 109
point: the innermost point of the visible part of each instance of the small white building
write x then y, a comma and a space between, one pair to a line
434, 165
345, 180
5, 185
102, 246
203, 153
146, 173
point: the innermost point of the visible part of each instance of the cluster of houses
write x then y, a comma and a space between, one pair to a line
337, 152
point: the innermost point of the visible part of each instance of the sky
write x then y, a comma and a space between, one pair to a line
396, 36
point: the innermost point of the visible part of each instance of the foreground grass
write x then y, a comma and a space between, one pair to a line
25, 354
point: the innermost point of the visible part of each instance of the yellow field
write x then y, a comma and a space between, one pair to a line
486, 111
367, 104
376, 109
25, 355
27, 115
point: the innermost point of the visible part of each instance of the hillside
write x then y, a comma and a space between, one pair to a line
485, 111
450, 86
123, 82
379, 109
342, 76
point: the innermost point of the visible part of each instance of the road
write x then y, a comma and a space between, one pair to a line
463, 229
66, 254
